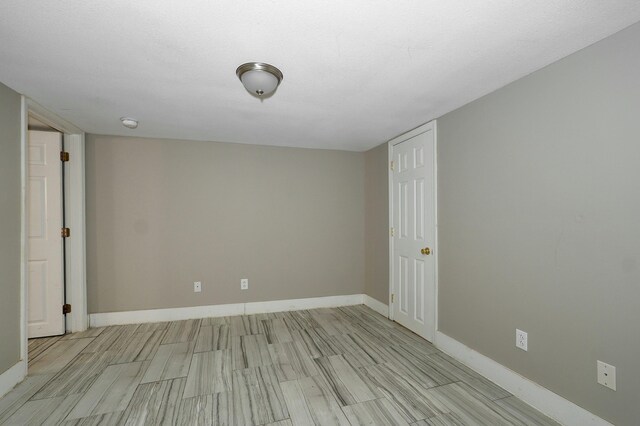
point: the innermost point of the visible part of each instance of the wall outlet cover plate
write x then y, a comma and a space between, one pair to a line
521, 340
606, 375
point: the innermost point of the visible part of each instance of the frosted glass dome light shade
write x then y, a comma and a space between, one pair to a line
129, 122
259, 79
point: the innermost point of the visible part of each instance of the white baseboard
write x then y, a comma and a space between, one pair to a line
297, 304
169, 314
12, 377
376, 305
540, 398
175, 314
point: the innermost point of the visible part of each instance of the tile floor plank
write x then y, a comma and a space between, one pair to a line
375, 412
155, 403
323, 408
317, 341
249, 351
521, 413
77, 376
223, 409
286, 422
411, 365
152, 326
11, 402
292, 361
296, 404
207, 410
109, 419
90, 332
329, 322
372, 348
112, 338
170, 361
276, 331
448, 419
197, 410
111, 392
210, 373
213, 338
37, 346
142, 346
215, 321
58, 356
470, 408
345, 383
299, 320
354, 354
257, 397
407, 395
245, 325
181, 331
44, 412
444, 362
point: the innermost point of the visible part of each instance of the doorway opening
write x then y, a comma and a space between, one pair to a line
72, 264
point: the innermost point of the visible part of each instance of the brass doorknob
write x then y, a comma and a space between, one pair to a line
426, 251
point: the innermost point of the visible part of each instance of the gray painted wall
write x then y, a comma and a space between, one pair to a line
10, 220
377, 223
162, 214
539, 211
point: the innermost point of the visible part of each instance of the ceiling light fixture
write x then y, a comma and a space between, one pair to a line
131, 123
259, 79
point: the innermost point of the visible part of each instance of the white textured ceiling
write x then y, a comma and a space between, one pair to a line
356, 72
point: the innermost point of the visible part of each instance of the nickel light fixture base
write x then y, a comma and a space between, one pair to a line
260, 79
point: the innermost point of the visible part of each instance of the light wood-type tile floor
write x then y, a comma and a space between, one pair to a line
341, 366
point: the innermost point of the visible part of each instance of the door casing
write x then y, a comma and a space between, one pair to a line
430, 126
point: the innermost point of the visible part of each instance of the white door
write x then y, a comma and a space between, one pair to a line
46, 288
412, 200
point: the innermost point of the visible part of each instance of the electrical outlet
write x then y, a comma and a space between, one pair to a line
521, 339
606, 375
197, 286
244, 284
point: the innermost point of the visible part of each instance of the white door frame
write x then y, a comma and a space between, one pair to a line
430, 126
74, 186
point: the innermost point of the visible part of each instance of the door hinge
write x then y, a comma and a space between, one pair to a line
64, 156
392, 165
393, 297
66, 308
392, 232
65, 232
